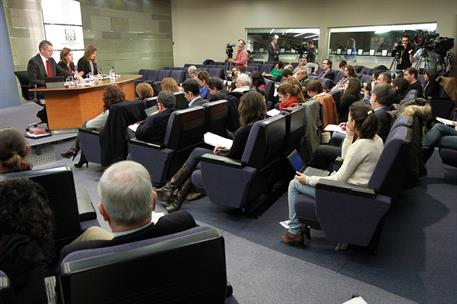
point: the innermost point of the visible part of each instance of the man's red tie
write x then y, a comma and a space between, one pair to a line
49, 68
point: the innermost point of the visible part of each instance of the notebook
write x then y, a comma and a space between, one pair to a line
298, 164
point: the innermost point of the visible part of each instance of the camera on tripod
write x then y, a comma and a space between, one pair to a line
431, 41
229, 50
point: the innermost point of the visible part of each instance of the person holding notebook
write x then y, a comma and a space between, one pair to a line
252, 108
360, 159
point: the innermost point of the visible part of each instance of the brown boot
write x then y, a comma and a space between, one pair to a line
180, 197
165, 193
293, 239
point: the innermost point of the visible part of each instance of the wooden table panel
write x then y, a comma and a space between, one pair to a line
70, 107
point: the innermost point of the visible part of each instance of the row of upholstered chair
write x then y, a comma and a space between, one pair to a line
84, 276
238, 183
184, 132
354, 215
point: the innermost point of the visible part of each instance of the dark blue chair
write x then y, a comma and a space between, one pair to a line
151, 75
216, 72
113, 136
365, 78
178, 75
351, 214
449, 156
366, 71
216, 113
184, 132
295, 127
185, 267
72, 208
163, 74
238, 183
339, 74
326, 83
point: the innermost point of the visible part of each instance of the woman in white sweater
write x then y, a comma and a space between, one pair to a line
360, 158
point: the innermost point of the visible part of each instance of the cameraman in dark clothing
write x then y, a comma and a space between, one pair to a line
404, 53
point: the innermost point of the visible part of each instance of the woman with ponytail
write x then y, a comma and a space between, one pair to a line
289, 95
360, 159
13, 151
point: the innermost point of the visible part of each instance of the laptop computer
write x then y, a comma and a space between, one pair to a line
299, 165
55, 82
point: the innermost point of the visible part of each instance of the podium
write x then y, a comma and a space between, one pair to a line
68, 108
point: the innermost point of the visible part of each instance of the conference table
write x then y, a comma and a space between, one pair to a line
69, 107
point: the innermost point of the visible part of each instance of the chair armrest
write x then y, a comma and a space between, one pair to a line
89, 131
85, 207
342, 187
219, 159
157, 146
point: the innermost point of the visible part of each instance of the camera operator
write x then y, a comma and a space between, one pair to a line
404, 53
273, 50
242, 56
310, 51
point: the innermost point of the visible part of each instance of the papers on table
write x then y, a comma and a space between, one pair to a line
446, 121
217, 141
36, 133
334, 128
273, 112
285, 224
134, 126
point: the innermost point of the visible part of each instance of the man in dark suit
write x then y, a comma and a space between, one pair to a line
327, 71
381, 101
273, 50
39, 67
127, 201
42, 65
192, 93
154, 127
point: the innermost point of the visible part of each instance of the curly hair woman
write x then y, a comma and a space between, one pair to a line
26, 241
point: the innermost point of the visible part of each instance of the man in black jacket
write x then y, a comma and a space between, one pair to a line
126, 203
40, 67
273, 50
154, 127
411, 75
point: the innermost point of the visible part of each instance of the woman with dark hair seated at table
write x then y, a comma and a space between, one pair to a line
26, 240
66, 66
111, 96
360, 159
252, 108
13, 151
87, 64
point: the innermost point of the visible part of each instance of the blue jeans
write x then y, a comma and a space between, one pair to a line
439, 136
194, 158
295, 187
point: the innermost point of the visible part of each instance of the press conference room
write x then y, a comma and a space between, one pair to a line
165, 151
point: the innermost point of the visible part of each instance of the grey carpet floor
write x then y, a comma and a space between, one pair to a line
415, 261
